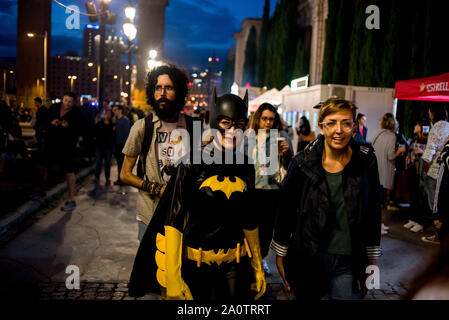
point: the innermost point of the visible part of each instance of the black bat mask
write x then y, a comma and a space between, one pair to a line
228, 105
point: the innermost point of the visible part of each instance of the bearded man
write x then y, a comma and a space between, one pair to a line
155, 142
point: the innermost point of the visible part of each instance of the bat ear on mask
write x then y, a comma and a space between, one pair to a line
245, 99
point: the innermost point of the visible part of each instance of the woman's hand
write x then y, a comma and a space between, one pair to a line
64, 123
284, 147
55, 122
418, 150
280, 266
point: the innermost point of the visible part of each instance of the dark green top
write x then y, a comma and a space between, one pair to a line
340, 238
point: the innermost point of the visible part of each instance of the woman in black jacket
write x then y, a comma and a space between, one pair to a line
328, 228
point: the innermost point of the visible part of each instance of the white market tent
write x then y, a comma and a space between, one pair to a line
273, 96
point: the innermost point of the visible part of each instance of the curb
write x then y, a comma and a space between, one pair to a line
28, 209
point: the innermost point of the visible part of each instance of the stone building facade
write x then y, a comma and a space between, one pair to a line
241, 38
313, 16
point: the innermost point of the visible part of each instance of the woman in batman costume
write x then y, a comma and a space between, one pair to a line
202, 242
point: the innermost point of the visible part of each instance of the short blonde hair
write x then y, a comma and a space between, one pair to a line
336, 104
388, 121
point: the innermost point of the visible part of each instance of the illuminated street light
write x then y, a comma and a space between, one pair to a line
153, 54
153, 64
72, 78
130, 11
235, 88
90, 64
130, 30
30, 35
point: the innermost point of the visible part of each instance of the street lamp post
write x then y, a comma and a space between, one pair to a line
45, 36
130, 32
72, 78
106, 17
153, 63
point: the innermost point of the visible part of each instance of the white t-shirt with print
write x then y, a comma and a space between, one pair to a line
168, 147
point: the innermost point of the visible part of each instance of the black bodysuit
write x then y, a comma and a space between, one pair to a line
209, 204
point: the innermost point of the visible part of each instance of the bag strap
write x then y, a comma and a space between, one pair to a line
146, 143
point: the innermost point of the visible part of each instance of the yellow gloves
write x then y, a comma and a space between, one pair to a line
177, 289
256, 262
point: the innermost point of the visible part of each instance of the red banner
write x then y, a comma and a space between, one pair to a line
434, 88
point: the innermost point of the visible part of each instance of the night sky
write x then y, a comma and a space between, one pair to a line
193, 30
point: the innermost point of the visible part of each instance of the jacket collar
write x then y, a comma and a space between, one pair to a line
313, 153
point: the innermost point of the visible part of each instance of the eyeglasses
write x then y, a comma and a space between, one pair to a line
228, 124
168, 89
332, 125
265, 119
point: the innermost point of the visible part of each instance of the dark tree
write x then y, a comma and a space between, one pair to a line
342, 38
331, 38
249, 68
282, 37
302, 61
355, 44
262, 48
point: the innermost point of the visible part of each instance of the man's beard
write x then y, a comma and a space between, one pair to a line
169, 110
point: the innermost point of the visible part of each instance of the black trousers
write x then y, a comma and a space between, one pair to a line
266, 205
419, 206
224, 282
119, 156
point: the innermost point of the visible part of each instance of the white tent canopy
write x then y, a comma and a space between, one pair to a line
286, 89
273, 96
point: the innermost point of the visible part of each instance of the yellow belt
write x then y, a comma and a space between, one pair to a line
210, 256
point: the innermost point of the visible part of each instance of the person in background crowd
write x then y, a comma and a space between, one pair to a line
441, 206
89, 113
420, 214
60, 144
131, 115
205, 115
437, 135
104, 141
122, 127
328, 226
6, 119
101, 114
361, 130
400, 194
305, 134
41, 123
384, 143
267, 188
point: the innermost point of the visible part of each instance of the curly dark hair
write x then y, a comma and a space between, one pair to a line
176, 75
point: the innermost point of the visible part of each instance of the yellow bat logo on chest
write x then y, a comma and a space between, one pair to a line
228, 185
